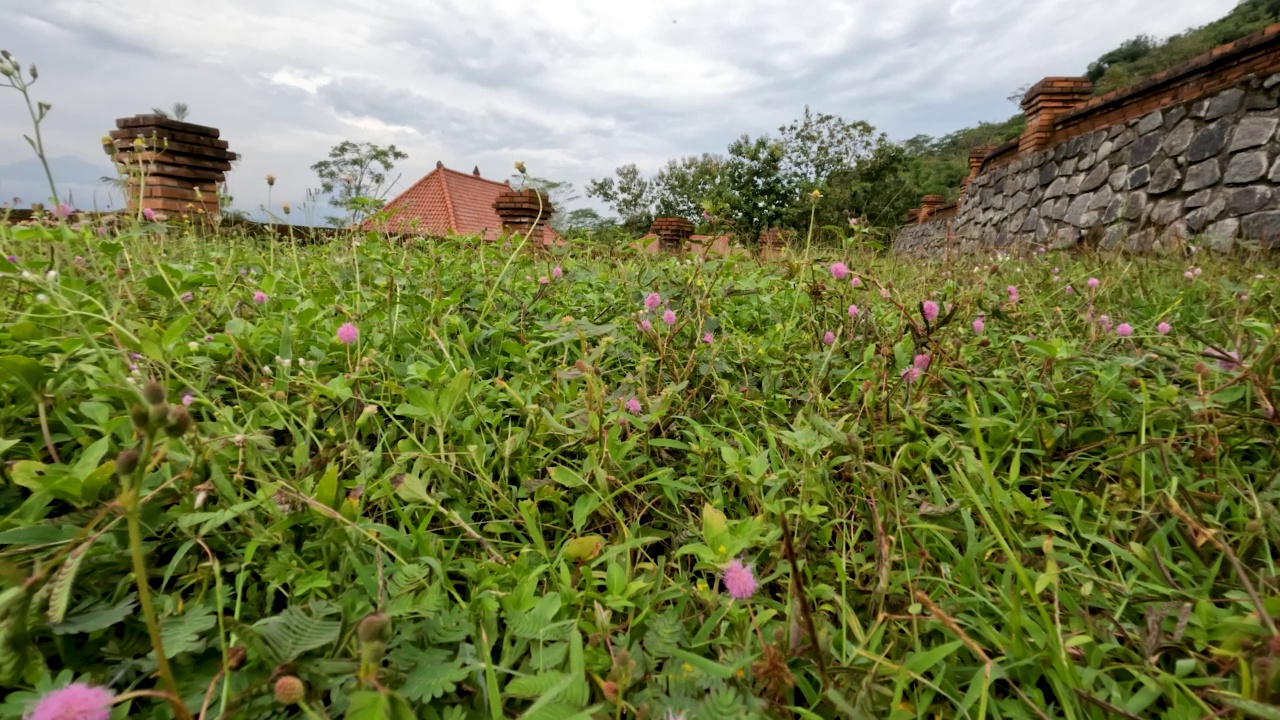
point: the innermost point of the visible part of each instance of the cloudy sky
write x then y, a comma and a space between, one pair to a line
572, 87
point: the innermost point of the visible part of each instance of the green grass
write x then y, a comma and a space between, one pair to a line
1053, 521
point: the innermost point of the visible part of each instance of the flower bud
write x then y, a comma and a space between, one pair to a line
33, 72
179, 422
126, 463
236, 657
289, 690
153, 392
141, 419
158, 415
375, 627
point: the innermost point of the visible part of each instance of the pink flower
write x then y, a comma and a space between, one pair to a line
1188, 275
829, 338
1013, 293
149, 214
1243, 297
1124, 329
669, 317
1070, 290
884, 293
260, 297
348, 334
739, 581
910, 374
646, 325
856, 282
188, 398
921, 362
1105, 322
839, 270
1228, 360
930, 311
708, 338
652, 301
1164, 328
1093, 282
63, 210
187, 297
544, 280
556, 272
528, 278
1197, 272
854, 311
1055, 271
633, 405
73, 702
1040, 250
978, 326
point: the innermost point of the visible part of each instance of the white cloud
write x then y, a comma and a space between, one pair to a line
574, 87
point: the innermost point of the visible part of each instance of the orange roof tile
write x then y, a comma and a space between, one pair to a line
447, 201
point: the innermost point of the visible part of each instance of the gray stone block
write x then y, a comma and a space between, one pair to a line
1179, 139
1271, 81
1165, 178
1209, 141
1202, 175
1141, 151
1264, 227
1260, 101
1200, 199
1019, 201
1114, 210
1074, 183
1087, 161
1068, 166
1139, 177
1247, 167
1066, 237
1245, 200
1150, 122
1096, 178
1056, 188
1136, 206
1048, 173
1174, 115
1198, 108
1221, 236
1165, 212
1125, 138
1224, 103
1102, 198
1079, 207
1252, 132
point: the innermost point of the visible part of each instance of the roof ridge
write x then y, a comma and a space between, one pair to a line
448, 201
470, 176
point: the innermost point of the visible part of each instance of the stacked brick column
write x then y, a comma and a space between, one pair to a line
672, 232
1046, 99
521, 210
171, 167
976, 156
928, 204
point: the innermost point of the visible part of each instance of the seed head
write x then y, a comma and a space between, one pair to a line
179, 422
153, 392
126, 462
289, 690
375, 627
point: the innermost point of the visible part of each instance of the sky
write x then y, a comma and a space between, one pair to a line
574, 88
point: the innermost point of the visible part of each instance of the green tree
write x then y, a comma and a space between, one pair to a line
757, 191
683, 186
629, 194
817, 145
559, 194
354, 176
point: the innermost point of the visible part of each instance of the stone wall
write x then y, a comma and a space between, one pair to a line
1190, 155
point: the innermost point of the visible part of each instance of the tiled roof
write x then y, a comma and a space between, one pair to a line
447, 201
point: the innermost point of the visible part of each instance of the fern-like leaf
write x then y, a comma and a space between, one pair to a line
533, 686
60, 588
294, 632
431, 677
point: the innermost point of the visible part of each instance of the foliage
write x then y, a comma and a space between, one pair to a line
177, 112
355, 178
507, 499
559, 193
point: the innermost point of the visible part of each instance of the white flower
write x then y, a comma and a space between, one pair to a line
42, 298
51, 275
27, 275
266, 369
285, 362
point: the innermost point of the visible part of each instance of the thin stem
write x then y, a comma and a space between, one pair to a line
132, 515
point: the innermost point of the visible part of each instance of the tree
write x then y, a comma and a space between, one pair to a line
757, 192
177, 112
354, 176
815, 146
559, 194
683, 187
629, 194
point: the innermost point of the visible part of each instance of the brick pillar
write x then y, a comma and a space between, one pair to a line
928, 204
672, 232
913, 216
171, 167
1050, 97
521, 210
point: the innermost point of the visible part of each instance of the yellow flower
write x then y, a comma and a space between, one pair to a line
816, 195
271, 180
520, 166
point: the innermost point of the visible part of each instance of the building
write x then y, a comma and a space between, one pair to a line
446, 202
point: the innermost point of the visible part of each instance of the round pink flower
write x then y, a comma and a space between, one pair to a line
829, 338
646, 325
839, 270
1013, 293
188, 399
921, 362
1188, 275
708, 338
556, 272
884, 293
978, 326
149, 214
856, 282
669, 317
544, 280
1070, 290
260, 297
348, 334
73, 702
1093, 282
910, 374
1197, 272
739, 581
1055, 271
1124, 329
930, 311
652, 301
854, 311
1105, 322
633, 405
1164, 328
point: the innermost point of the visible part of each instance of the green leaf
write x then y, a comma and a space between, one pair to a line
532, 686
432, 677
710, 667
185, 633
157, 285
565, 477
63, 582
367, 705
96, 616
28, 373
176, 327
294, 632
1252, 708
922, 662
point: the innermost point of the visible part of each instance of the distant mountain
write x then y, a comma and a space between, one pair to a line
78, 181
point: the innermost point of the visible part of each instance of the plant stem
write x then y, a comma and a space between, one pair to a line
133, 517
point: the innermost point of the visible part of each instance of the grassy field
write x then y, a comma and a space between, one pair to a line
467, 480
